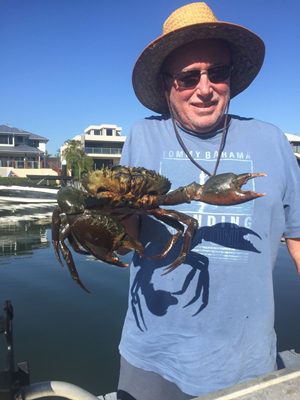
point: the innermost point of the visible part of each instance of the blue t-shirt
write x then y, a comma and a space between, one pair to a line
210, 323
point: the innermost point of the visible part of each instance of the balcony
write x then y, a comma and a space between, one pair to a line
20, 164
103, 150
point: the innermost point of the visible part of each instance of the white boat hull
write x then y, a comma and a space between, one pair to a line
26, 194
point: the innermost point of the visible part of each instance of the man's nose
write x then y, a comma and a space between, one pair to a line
204, 87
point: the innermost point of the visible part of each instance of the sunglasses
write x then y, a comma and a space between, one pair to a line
190, 79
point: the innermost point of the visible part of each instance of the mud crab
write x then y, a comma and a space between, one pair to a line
91, 219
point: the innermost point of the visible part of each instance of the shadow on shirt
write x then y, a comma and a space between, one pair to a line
157, 300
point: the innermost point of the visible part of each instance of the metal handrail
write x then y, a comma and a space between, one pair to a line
54, 388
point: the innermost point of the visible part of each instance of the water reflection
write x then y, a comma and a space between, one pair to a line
17, 212
22, 237
63, 332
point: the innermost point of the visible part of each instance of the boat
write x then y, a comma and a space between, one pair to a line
27, 194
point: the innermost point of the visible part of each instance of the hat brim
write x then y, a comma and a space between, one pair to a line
247, 52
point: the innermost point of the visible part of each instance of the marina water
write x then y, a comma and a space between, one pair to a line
69, 335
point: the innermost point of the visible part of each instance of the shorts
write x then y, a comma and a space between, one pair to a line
138, 384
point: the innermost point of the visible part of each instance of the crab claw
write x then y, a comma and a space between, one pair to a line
225, 189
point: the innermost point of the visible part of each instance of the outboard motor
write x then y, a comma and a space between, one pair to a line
11, 379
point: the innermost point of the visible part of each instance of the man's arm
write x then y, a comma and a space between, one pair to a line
293, 246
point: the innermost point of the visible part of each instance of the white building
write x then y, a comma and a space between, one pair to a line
295, 142
103, 143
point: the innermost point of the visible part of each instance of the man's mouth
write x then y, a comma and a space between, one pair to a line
205, 107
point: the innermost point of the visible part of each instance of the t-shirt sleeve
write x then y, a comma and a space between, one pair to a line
291, 199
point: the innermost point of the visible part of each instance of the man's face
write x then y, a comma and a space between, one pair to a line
200, 108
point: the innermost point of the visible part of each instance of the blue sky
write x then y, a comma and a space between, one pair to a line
66, 64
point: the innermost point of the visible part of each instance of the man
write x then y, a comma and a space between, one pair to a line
209, 324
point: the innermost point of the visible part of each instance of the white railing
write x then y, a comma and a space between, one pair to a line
102, 150
19, 164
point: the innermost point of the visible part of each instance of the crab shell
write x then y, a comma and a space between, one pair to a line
136, 181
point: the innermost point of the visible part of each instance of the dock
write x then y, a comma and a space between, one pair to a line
282, 384
278, 385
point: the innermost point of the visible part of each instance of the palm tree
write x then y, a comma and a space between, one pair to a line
76, 158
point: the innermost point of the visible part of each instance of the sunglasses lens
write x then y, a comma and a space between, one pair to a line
219, 74
190, 79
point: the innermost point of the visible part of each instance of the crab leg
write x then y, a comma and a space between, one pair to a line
58, 237
76, 246
223, 189
70, 263
192, 225
167, 216
55, 233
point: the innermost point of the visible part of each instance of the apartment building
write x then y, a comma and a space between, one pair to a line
103, 143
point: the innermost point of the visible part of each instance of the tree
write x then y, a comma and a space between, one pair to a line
76, 158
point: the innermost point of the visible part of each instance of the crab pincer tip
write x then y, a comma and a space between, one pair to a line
257, 174
261, 194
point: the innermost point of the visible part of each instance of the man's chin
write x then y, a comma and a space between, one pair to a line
207, 125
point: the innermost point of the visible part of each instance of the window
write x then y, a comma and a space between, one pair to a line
6, 139
33, 143
19, 139
296, 147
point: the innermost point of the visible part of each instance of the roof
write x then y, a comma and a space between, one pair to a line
21, 149
101, 126
20, 132
292, 138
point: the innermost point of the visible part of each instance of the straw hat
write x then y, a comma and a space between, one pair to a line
191, 22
